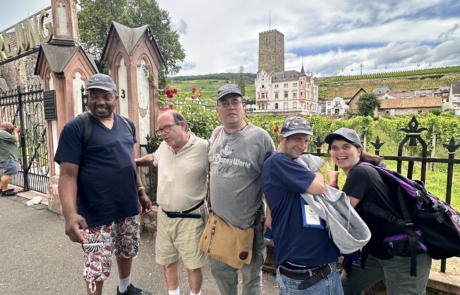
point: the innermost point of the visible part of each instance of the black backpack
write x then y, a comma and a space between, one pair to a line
86, 118
429, 224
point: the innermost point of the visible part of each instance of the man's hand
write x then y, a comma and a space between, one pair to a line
73, 223
17, 130
146, 204
331, 175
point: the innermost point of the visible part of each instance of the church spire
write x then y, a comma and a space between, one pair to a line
302, 71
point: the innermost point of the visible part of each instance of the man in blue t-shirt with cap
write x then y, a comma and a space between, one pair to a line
305, 253
100, 190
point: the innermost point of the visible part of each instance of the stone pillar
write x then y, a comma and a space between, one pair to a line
65, 68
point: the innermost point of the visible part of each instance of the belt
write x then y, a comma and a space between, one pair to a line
186, 213
308, 281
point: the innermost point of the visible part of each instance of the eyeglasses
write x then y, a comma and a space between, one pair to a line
166, 129
226, 104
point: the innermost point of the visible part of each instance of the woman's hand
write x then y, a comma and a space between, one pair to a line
331, 175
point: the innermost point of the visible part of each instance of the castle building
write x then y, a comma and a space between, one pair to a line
287, 92
279, 91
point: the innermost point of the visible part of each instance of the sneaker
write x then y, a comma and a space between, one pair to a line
133, 291
8, 193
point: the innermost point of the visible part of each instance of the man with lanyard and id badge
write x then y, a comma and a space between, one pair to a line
305, 254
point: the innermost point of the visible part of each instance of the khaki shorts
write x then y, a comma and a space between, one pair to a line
179, 237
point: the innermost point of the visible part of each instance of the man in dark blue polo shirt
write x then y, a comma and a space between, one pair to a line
98, 188
305, 253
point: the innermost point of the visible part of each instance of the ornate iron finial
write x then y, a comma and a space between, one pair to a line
413, 131
318, 142
451, 147
377, 144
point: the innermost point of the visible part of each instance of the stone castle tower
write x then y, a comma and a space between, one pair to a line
271, 52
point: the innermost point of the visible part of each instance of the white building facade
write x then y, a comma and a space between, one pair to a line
285, 93
336, 107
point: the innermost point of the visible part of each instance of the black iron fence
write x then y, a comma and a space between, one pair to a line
24, 108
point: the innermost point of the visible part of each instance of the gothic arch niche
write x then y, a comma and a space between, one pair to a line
143, 96
62, 18
78, 81
124, 92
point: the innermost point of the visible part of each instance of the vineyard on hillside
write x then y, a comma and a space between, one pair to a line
330, 87
423, 73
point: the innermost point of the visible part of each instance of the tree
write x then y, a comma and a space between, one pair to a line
241, 82
367, 104
96, 16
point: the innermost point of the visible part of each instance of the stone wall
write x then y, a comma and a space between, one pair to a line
20, 71
149, 221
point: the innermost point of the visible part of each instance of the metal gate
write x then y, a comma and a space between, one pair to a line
24, 108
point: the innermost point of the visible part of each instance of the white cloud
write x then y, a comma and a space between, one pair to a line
327, 36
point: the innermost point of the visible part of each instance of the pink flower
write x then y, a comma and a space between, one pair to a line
165, 109
171, 106
193, 89
193, 96
169, 95
174, 91
200, 94
277, 128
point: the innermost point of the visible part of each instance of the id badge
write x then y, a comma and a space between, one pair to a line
310, 218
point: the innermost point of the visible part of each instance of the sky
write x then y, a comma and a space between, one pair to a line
329, 37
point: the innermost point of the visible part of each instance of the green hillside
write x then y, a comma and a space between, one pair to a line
210, 86
329, 87
347, 86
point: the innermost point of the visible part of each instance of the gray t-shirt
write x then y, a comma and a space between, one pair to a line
235, 178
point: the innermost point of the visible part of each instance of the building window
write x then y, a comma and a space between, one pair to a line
286, 95
262, 85
294, 105
301, 82
263, 95
328, 112
286, 85
337, 103
276, 95
294, 94
294, 84
328, 103
301, 93
285, 106
276, 85
276, 106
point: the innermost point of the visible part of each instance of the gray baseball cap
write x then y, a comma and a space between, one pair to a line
228, 89
295, 125
101, 81
349, 135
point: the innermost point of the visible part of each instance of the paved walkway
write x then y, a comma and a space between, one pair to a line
38, 258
